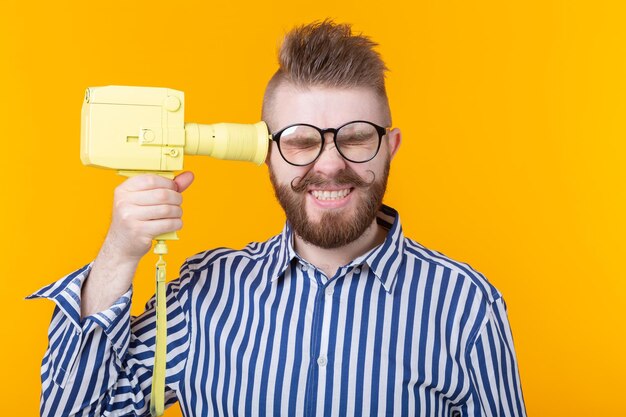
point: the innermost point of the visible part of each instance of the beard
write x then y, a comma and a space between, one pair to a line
335, 228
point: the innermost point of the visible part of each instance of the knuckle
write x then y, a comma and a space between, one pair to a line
124, 214
149, 181
118, 194
162, 194
118, 204
164, 212
172, 211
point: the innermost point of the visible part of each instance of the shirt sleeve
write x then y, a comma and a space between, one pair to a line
494, 372
102, 364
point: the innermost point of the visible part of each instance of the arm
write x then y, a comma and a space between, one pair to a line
495, 380
103, 363
97, 356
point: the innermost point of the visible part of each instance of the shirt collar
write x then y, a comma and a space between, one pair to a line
384, 260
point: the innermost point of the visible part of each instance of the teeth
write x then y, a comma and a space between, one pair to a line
330, 195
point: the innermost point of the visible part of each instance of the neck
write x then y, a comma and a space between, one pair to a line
330, 260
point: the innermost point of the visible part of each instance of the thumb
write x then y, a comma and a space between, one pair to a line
183, 180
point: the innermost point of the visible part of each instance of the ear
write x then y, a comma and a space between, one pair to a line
394, 139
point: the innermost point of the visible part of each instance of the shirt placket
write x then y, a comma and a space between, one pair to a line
320, 331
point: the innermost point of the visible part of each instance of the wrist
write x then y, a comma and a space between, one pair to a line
111, 255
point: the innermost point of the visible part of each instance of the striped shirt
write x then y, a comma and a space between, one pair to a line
400, 331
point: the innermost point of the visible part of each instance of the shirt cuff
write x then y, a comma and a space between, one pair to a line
66, 294
68, 339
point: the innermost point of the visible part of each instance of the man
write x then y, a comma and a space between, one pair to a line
340, 314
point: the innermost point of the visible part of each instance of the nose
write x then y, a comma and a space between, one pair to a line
330, 160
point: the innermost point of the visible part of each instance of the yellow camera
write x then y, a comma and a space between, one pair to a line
143, 129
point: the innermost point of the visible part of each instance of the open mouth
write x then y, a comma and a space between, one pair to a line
325, 195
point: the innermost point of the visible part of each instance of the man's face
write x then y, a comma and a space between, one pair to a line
332, 201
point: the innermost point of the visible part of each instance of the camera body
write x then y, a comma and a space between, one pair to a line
143, 129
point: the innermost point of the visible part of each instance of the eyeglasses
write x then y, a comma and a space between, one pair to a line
301, 144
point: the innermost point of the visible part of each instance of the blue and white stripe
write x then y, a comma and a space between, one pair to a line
402, 331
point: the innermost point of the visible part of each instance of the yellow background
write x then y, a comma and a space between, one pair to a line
513, 158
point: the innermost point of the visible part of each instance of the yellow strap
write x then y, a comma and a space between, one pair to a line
157, 401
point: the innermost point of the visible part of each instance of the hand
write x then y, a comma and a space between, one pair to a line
144, 207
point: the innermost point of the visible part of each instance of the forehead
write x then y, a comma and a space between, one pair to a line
324, 106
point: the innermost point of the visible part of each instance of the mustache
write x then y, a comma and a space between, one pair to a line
344, 177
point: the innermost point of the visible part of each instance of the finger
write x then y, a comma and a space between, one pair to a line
184, 180
165, 211
158, 227
147, 182
154, 197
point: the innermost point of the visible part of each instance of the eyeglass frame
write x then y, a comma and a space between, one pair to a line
382, 131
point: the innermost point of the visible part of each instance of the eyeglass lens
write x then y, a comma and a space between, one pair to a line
357, 142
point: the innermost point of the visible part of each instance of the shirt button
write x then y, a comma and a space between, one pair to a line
357, 271
329, 292
322, 361
304, 268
